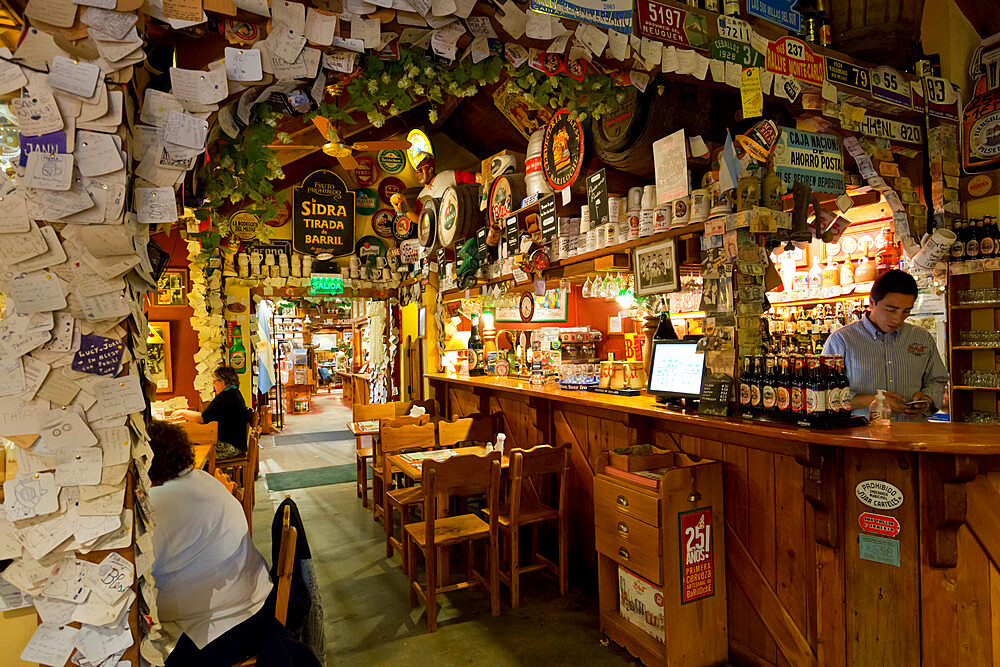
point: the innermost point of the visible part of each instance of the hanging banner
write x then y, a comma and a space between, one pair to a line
613, 14
791, 56
779, 12
323, 215
672, 25
813, 158
890, 85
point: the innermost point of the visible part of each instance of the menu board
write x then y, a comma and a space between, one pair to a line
547, 218
512, 234
597, 198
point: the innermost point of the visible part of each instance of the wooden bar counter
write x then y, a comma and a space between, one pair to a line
799, 591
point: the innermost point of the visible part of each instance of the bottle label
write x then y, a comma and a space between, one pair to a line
755, 395
798, 399
744, 394
957, 248
972, 248
987, 247
783, 398
815, 401
769, 396
238, 359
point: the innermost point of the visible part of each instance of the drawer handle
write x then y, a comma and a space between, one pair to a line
623, 552
623, 527
622, 501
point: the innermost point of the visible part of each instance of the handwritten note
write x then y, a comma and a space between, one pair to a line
49, 171
50, 644
37, 114
74, 76
98, 355
321, 27
79, 466
185, 130
14, 214
155, 205
37, 292
114, 577
97, 154
65, 428
243, 64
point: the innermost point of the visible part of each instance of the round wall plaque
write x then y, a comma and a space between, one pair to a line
382, 222
244, 224
365, 201
366, 173
562, 150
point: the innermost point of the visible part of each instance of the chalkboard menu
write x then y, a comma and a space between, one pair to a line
323, 215
547, 218
597, 199
484, 249
715, 395
442, 257
513, 234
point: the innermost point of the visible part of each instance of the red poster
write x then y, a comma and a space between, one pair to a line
697, 565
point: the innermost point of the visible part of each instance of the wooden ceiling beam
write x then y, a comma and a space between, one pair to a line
984, 16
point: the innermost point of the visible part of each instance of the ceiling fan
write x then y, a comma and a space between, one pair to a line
345, 152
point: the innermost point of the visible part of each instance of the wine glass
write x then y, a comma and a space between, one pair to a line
586, 291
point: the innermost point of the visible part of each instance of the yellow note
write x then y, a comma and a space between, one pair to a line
751, 93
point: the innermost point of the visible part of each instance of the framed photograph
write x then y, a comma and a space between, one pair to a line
656, 270
171, 289
158, 364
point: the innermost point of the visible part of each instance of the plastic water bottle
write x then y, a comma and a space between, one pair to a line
879, 412
498, 447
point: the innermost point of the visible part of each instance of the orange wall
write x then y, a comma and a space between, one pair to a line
183, 338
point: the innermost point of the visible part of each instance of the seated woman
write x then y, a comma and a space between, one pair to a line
229, 409
212, 583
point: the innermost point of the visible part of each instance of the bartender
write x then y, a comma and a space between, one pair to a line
882, 351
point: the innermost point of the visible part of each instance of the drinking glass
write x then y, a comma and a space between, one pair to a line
586, 292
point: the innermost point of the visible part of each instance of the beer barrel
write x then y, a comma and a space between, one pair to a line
427, 223
456, 213
623, 137
506, 194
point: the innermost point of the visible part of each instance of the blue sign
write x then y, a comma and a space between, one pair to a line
812, 158
53, 142
613, 14
780, 12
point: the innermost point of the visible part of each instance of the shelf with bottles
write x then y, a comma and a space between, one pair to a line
976, 247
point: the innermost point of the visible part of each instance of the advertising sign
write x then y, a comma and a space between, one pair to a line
981, 117
880, 524
730, 50
893, 130
848, 74
890, 86
813, 158
323, 215
697, 563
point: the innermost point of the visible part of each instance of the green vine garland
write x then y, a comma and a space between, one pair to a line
241, 169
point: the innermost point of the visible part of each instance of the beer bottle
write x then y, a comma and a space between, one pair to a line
987, 243
958, 247
769, 395
781, 390
797, 387
815, 390
756, 400
477, 358
746, 380
238, 353
845, 386
972, 240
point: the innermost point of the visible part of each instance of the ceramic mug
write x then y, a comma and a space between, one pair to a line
701, 203
661, 219
681, 212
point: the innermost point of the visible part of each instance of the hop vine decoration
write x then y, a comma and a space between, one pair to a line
598, 92
241, 170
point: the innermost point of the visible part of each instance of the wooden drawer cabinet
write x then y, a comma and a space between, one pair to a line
631, 543
673, 536
613, 500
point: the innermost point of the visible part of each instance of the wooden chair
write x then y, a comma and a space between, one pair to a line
286, 563
457, 476
365, 448
203, 434
475, 429
396, 438
378, 467
243, 471
526, 507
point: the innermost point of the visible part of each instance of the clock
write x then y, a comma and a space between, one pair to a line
527, 306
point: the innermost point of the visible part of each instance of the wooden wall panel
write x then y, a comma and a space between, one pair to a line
737, 515
793, 581
760, 538
883, 601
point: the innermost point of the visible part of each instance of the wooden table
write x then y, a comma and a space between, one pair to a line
204, 458
413, 469
815, 577
363, 434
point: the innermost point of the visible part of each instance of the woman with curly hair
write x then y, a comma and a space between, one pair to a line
229, 409
212, 582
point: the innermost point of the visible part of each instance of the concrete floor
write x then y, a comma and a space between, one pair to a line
369, 620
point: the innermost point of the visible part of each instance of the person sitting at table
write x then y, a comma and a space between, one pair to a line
215, 600
228, 409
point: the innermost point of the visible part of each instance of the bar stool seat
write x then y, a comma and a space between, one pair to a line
450, 530
534, 512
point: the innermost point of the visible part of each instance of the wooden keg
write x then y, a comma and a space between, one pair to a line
457, 212
506, 194
623, 138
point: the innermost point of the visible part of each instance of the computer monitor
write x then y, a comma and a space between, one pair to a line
675, 369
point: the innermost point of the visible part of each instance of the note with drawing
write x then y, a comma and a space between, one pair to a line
28, 496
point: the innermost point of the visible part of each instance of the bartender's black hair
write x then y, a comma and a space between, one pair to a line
893, 282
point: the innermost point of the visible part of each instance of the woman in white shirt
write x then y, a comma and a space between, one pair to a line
212, 583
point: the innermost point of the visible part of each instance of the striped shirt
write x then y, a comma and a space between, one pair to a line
903, 362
